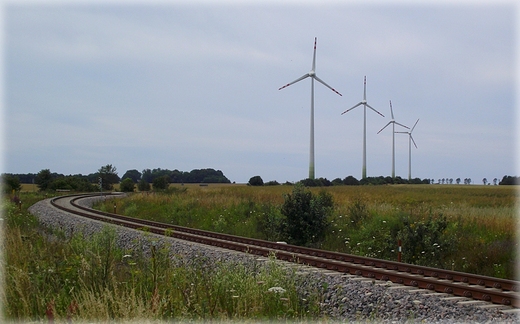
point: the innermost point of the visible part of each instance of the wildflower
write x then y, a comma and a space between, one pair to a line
276, 290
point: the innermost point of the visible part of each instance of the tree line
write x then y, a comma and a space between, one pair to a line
352, 181
107, 176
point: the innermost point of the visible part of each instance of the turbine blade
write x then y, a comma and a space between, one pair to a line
375, 110
413, 141
365, 88
414, 125
384, 127
391, 110
297, 80
401, 125
314, 56
328, 86
359, 104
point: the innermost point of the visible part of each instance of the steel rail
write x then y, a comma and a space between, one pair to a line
494, 290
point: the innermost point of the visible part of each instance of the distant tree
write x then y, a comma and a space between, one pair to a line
272, 183
74, 183
509, 180
484, 181
305, 216
134, 175
256, 181
161, 183
495, 181
451, 180
143, 185
127, 185
43, 179
337, 182
108, 175
11, 183
350, 181
457, 180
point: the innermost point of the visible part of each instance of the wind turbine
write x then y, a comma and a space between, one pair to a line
365, 105
313, 76
410, 140
393, 122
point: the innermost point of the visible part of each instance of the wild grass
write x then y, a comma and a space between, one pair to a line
460, 227
51, 277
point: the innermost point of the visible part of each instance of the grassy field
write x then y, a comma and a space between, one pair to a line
465, 228
49, 277
459, 227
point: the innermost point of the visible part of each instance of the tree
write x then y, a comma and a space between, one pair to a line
457, 180
495, 181
127, 185
108, 175
43, 179
143, 185
256, 181
161, 183
132, 174
351, 181
305, 216
484, 181
11, 183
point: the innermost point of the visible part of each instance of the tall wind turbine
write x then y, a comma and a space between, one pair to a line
313, 76
393, 122
410, 140
365, 105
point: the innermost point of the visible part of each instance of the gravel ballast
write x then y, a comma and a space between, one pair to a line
345, 297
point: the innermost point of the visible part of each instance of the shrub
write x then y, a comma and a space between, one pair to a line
127, 185
143, 185
161, 183
305, 216
256, 181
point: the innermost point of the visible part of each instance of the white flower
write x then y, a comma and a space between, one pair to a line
276, 290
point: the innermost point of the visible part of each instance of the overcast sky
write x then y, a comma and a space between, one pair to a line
184, 86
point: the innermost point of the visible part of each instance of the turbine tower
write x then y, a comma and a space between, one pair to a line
365, 105
410, 140
393, 122
313, 76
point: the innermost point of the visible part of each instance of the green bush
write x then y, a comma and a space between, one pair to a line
306, 215
127, 185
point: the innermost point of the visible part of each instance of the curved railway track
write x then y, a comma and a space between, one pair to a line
493, 290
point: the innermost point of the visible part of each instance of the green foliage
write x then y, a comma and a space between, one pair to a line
161, 183
509, 180
357, 212
11, 183
109, 177
73, 183
305, 221
134, 175
194, 176
256, 181
43, 179
143, 185
127, 185
424, 240
81, 279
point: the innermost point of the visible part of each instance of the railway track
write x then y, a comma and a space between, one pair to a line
471, 286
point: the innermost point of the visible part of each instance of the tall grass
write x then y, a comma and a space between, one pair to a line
479, 235
52, 277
